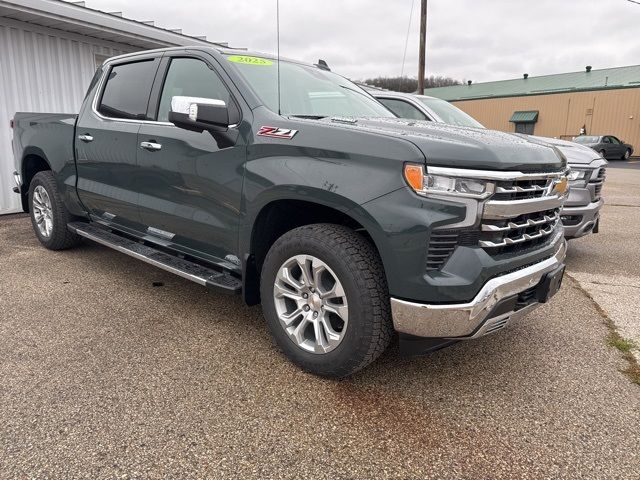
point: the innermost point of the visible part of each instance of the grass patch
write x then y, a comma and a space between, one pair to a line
625, 346
621, 343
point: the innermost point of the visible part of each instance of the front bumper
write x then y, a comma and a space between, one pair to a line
491, 309
581, 220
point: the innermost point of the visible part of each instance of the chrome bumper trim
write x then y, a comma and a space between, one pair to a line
590, 214
468, 320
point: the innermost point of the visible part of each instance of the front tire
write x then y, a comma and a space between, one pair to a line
49, 216
325, 299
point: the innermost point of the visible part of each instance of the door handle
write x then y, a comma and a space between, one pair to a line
151, 146
86, 138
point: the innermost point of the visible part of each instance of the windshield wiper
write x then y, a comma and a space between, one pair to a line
310, 117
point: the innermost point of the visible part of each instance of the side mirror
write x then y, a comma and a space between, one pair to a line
199, 114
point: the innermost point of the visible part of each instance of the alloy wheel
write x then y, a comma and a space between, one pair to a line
311, 304
42, 211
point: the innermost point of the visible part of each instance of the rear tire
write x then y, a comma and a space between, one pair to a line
327, 252
49, 216
626, 155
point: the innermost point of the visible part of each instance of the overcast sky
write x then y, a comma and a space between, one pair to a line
479, 40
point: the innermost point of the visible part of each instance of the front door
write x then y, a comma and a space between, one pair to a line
617, 147
107, 142
190, 187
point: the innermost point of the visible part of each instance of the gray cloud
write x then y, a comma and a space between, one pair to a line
467, 39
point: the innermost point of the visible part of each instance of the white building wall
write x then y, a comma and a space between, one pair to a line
41, 70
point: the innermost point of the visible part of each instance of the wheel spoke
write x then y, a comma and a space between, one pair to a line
281, 292
340, 310
298, 332
330, 333
288, 318
321, 344
336, 291
307, 275
318, 270
285, 276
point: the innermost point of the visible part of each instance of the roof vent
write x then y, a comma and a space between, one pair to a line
468, 82
588, 68
525, 76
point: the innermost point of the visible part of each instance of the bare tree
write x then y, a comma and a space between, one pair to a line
410, 85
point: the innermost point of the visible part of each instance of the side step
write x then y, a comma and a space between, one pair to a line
208, 277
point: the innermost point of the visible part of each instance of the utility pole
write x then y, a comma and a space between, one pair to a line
423, 40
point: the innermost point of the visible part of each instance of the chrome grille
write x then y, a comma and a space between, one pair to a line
522, 213
527, 229
521, 189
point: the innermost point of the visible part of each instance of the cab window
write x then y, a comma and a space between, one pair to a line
190, 77
127, 89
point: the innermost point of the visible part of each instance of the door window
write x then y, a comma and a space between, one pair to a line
403, 109
615, 141
606, 140
190, 77
127, 90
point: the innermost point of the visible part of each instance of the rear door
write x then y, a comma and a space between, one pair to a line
107, 141
191, 182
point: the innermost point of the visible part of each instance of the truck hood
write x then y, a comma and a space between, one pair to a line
577, 154
464, 147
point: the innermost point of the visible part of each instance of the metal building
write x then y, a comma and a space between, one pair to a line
604, 102
49, 50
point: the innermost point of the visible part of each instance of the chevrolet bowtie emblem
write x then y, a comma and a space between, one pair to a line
560, 186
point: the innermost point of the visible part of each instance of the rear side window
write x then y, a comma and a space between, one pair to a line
403, 109
190, 77
127, 90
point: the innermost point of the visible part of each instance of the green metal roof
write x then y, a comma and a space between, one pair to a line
524, 116
608, 78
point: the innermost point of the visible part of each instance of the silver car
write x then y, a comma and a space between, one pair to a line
581, 212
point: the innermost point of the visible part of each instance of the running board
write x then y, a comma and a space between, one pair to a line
210, 278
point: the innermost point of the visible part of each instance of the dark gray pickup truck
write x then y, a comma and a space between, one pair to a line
305, 195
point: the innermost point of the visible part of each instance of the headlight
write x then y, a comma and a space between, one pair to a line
576, 175
425, 184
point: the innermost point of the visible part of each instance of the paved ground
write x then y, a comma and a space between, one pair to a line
103, 375
607, 265
632, 163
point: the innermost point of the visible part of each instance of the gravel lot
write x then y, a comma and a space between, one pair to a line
103, 375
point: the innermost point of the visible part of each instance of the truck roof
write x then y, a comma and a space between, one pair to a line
219, 49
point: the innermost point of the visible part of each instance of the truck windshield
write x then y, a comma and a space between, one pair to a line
586, 139
306, 91
450, 114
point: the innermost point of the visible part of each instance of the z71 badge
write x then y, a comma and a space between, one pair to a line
276, 132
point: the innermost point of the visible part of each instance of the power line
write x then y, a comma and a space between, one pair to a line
406, 42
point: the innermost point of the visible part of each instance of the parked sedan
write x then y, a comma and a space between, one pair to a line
607, 146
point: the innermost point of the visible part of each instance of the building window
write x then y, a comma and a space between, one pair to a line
524, 121
525, 128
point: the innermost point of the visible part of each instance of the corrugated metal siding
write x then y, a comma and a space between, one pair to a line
41, 70
612, 112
